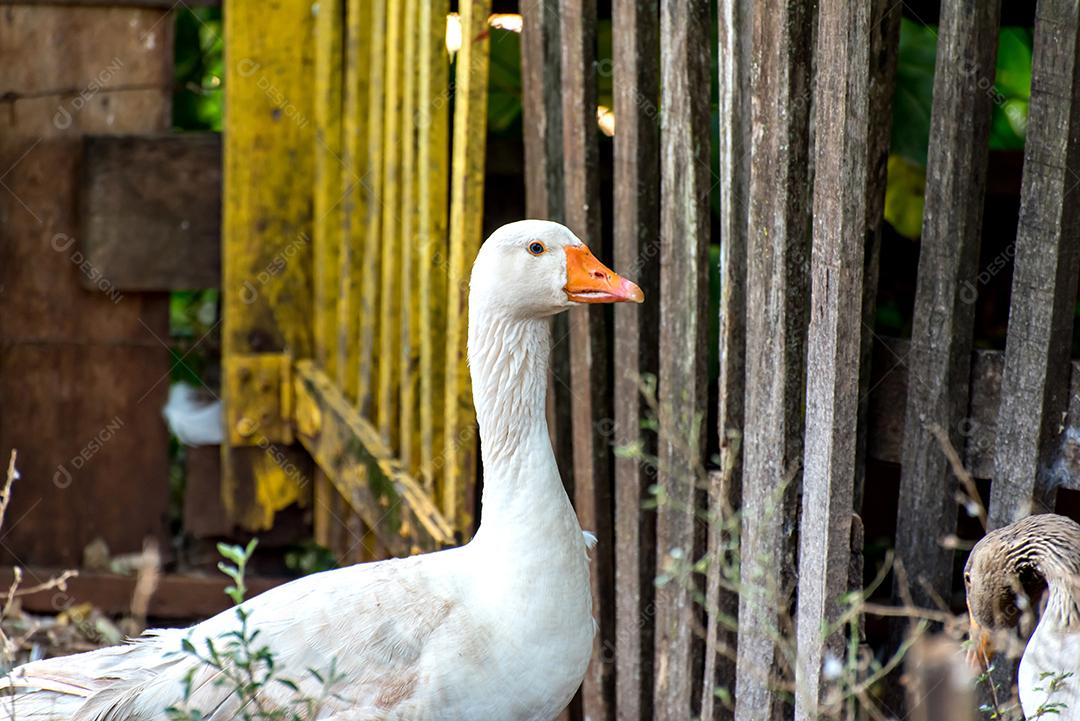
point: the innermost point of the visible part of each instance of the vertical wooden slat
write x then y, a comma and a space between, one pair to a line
843, 128
358, 34
685, 182
775, 351
941, 337
266, 222
466, 216
368, 350
388, 404
590, 398
433, 168
725, 488
328, 180
541, 81
636, 50
408, 419
327, 228
1035, 391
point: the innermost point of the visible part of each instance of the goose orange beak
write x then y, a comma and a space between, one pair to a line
981, 649
590, 281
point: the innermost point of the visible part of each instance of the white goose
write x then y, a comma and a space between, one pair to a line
1007, 570
499, 629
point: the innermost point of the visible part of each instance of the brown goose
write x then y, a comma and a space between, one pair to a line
1005, 573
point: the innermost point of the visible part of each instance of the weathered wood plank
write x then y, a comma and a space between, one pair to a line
834, 341
327, 226
541, 80
367, 347
82, 376
327, 508
148, 4
777, 281
466, 227
150, 210
433, 161
363, 469
685, 182
590, 395
942, 325
388, 404
409, 416
1037, 348
636, 50
266, 238
353, 166
725, 488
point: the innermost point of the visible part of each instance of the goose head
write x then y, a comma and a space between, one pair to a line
537, 268
1010, 567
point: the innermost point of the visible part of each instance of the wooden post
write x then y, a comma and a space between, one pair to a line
940, 358
636, 39
685, 182
842, 191
1035, 386
590, 390
466, 216
434, 167
266, 253
777, 304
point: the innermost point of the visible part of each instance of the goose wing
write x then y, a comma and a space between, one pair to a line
367, 625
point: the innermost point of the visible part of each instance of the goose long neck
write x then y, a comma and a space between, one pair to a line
1056, 557
508, 358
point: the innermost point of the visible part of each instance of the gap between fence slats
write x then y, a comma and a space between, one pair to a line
939, 362
466, 227
735, 32
1035, 390
636, 51
778, 253
590, 399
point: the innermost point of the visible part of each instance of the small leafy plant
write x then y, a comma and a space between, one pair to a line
246, 666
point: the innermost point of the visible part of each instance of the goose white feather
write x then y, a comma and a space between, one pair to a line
499, 629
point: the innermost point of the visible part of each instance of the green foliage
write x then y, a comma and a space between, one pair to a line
246, 666
1009, 90
310, 557
198, 98
239, 555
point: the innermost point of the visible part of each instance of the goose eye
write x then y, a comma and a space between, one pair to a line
967, 578
536, 248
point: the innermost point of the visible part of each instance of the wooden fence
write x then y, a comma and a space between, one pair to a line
344, 310
352, 203
804, 133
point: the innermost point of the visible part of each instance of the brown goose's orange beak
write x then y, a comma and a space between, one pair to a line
590, 281
981, 649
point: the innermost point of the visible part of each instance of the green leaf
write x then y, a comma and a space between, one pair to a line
914, 91
905, 196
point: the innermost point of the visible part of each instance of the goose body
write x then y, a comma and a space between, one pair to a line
498, 629
1004, 574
